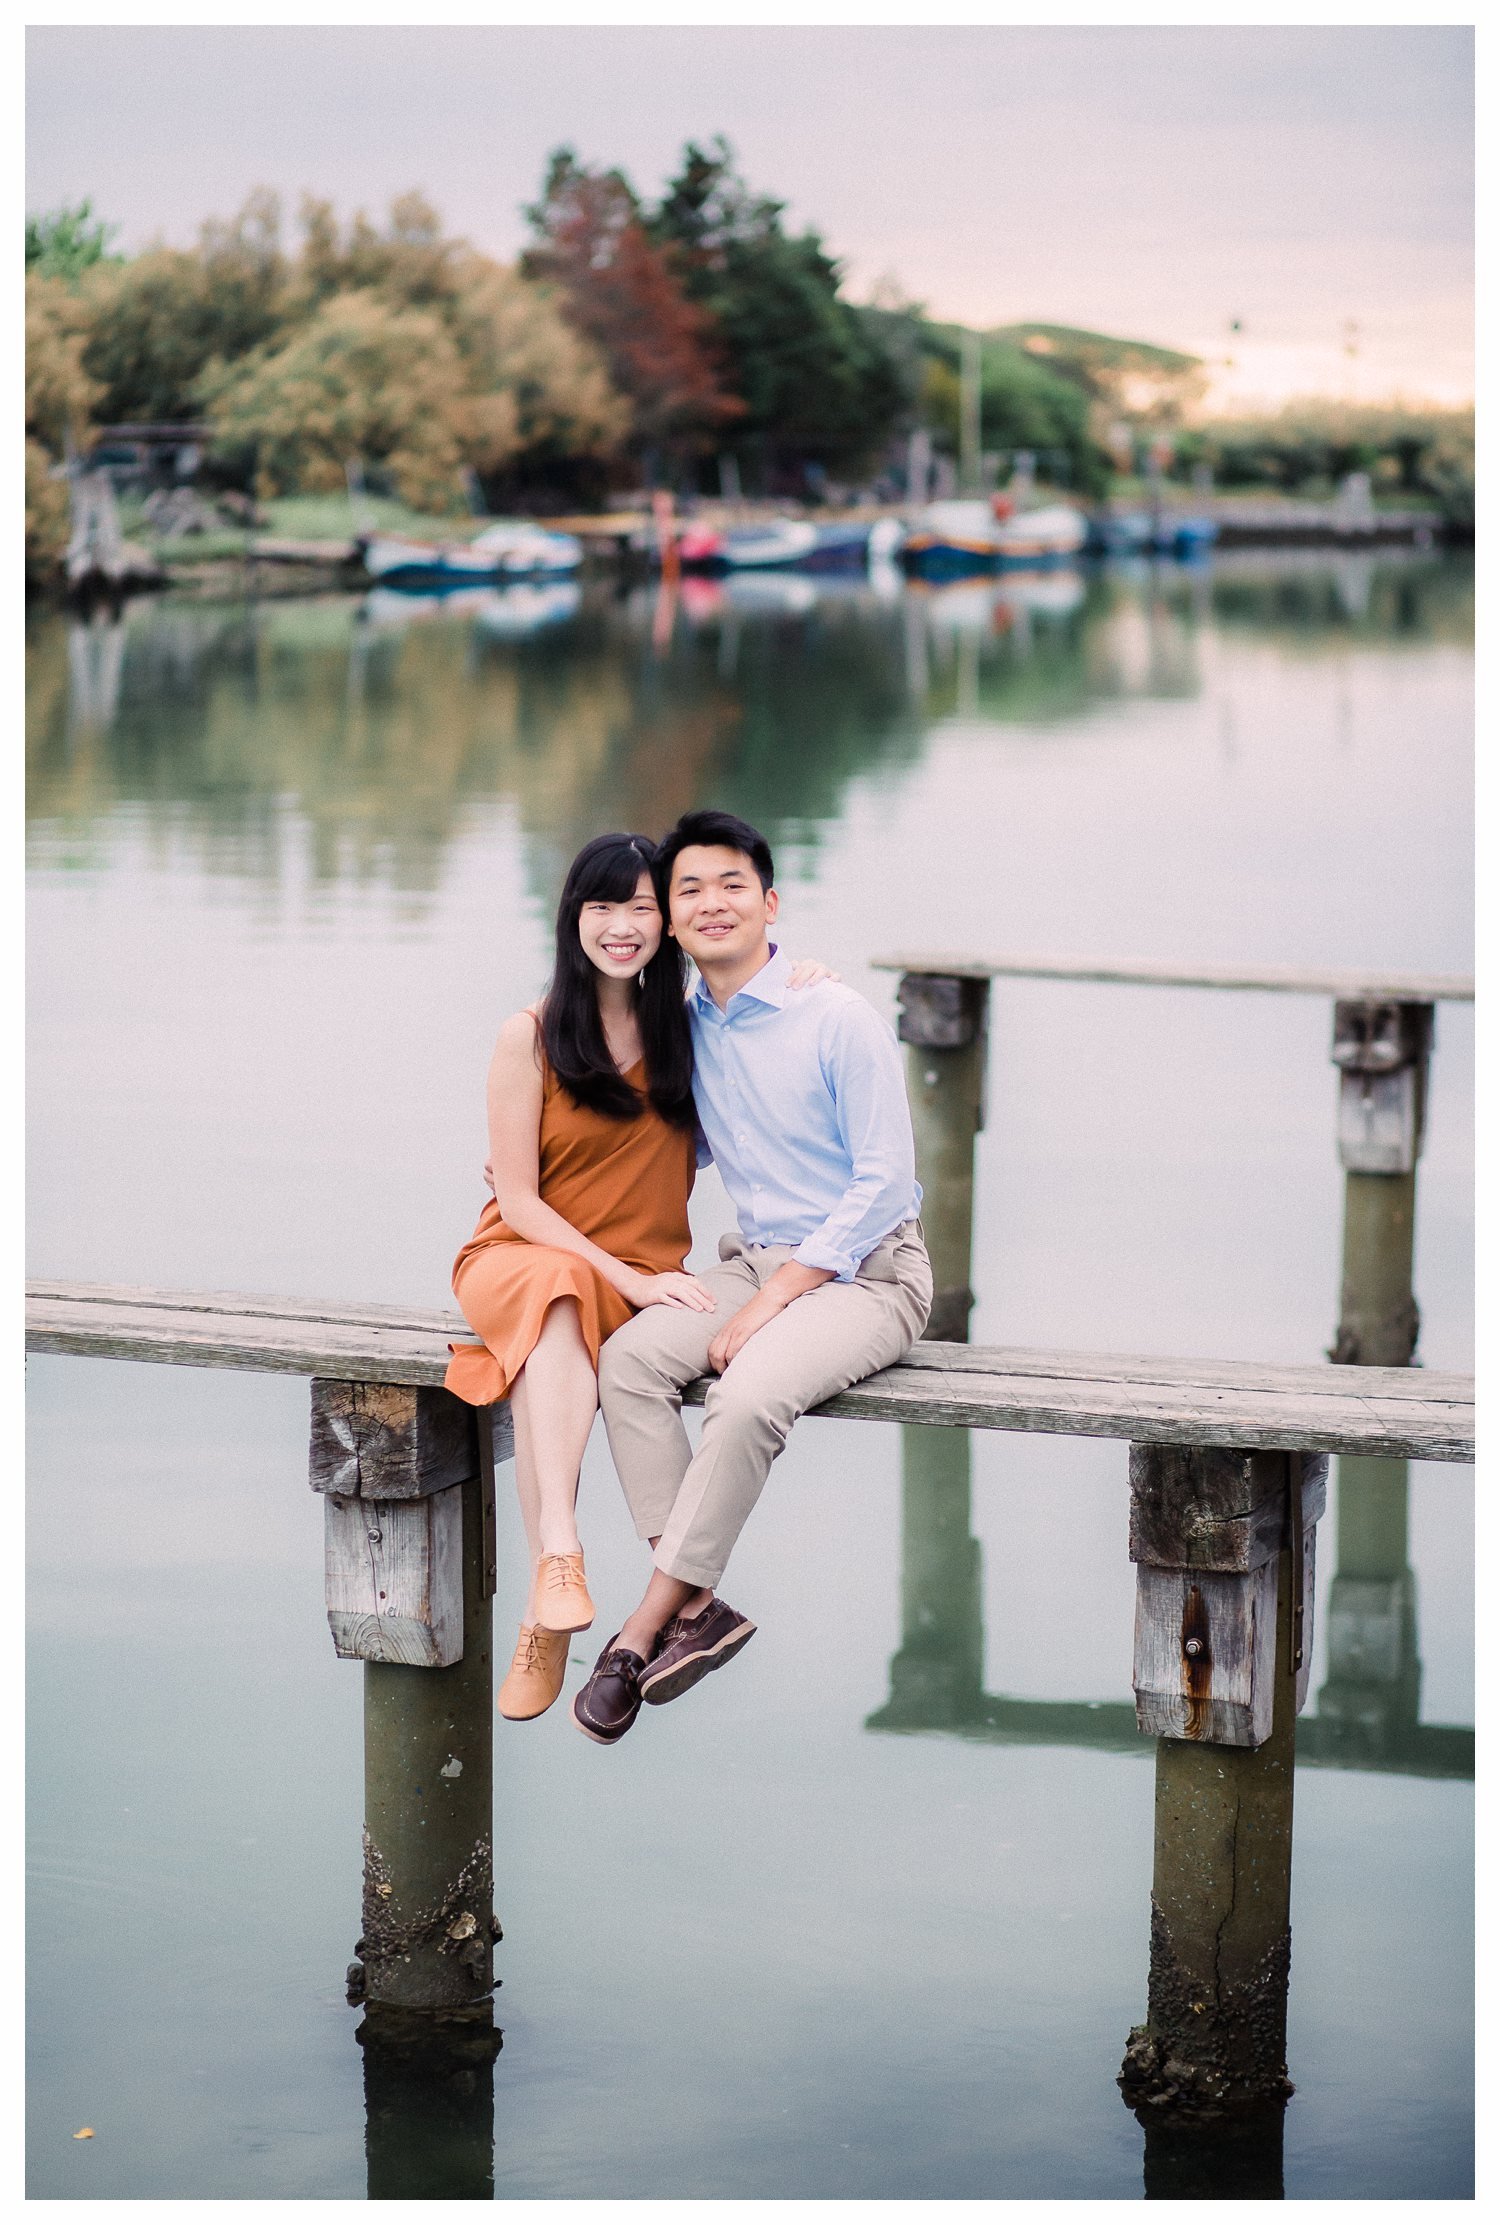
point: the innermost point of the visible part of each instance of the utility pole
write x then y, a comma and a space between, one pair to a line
968, 413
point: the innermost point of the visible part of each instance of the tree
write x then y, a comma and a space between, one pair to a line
159, 320
67, 241
622, 292
818, 385
60, 399
358, 378
515, 340
1023, 403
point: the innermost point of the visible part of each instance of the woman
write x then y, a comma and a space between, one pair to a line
592, 1155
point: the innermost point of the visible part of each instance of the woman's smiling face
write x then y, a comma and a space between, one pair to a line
620, 938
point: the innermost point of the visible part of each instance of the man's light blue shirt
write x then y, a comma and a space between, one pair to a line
802, 1101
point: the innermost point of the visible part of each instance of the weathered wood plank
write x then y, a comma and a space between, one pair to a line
1387, 1413
389, 1440
1372, 983
393, 1578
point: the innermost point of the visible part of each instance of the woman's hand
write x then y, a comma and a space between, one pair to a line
681, 1290
808, 972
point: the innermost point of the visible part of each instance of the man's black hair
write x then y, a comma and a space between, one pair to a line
719, 830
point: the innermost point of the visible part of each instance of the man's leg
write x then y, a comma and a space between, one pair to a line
822, 1343
642, 1370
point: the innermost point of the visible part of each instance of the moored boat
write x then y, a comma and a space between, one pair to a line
949, 538
781, 544
509, 549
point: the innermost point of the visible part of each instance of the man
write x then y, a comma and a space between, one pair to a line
802, 1103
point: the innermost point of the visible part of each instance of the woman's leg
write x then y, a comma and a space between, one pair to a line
553, 1400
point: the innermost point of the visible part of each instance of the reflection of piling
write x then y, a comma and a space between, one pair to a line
937, 1676
943, 1024
1229, 2160
1370, 1700
429, 2104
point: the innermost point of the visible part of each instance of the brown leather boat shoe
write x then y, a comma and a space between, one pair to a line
689, 1650
607, 1705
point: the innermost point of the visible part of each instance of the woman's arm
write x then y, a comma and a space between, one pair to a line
514, 1096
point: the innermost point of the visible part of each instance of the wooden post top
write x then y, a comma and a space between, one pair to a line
1377, 985
1389, 1413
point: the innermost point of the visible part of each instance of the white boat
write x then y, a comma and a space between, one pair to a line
952, 537
509, 549
522, 549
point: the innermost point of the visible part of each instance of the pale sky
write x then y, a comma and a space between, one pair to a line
1153, 182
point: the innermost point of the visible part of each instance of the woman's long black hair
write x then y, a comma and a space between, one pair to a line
608, 870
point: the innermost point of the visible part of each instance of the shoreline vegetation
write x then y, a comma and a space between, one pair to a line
693, 344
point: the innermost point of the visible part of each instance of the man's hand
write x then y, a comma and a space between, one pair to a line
790, 1281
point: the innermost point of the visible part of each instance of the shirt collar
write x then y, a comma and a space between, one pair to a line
769, 986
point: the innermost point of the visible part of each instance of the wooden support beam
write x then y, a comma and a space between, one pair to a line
428, 1927
393, 1578
943, 1022
1207, 1532
1381, 1050
389, 1440
391, 1460
1214, 2041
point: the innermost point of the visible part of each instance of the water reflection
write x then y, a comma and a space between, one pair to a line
429, 2105
382, 721
1367, 1709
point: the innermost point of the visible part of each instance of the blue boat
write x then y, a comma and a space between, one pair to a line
1137, 533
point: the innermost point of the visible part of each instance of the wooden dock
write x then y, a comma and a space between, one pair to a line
1377, 985
1386, 1413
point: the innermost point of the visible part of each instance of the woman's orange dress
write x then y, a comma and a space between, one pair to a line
622, 1183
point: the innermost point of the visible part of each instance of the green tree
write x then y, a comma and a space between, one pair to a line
67, 241
358, 378
158, 320
60, 400
1023, 404
818, 385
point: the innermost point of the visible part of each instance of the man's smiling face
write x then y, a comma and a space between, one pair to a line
719, 911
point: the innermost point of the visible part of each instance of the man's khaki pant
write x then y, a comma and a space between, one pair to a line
696, 1503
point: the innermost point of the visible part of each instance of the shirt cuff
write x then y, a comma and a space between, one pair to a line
814, 1251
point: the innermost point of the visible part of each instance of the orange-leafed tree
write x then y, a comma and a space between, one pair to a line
620, 290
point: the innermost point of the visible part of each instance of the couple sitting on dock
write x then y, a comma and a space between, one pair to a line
603, 1099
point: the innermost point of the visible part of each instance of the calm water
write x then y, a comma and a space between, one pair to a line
290, 865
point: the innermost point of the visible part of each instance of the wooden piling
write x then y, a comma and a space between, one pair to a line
1381, 1050
943, 1022
1208, 1532
1214, 2040
408, 1485
428, 1924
